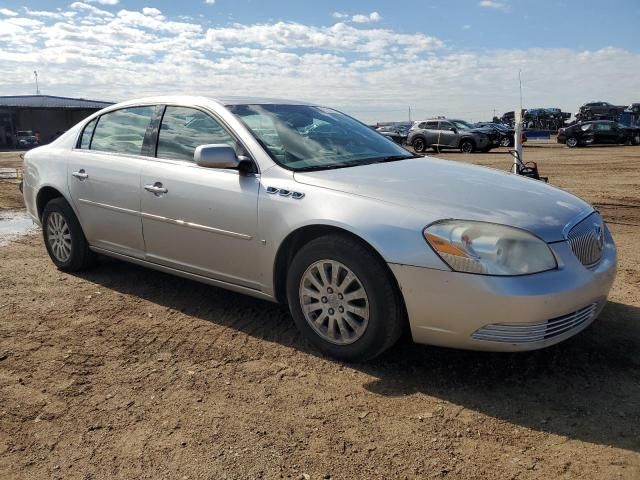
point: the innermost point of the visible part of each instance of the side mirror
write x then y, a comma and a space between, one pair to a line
216, 156
453, 129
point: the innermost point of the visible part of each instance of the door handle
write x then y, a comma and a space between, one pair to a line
156, 188
80, 174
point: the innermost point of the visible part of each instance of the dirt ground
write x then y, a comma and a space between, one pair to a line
123, 372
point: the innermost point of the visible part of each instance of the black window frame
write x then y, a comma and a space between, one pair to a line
94, 120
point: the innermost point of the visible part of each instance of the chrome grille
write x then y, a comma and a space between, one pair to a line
587, 239
535, 332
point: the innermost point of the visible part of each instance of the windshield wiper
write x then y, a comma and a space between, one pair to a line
332, 166
395, 158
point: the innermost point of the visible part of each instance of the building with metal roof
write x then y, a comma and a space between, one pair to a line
45, 115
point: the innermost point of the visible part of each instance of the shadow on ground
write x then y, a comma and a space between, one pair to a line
587, 388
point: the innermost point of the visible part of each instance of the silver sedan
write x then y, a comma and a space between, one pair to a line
301, 204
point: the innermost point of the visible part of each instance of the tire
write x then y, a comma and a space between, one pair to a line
379, 320
419, 145
636, 140
467, 145
505, 142
64, 239
572, 142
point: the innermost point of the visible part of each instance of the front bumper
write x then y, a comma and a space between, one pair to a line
453, 309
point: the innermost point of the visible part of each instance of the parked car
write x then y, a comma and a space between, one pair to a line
397, 132
603, 109
506, 133
358, 236
25, 139
597, 132
441, 134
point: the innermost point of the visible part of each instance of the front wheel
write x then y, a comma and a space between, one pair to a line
419, 145
63, 237
572, 142
466, 146
343, 300
505, 142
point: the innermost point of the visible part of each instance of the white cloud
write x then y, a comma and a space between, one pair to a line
152, 12
493, 4
371, 18
466, 27
8, 13
372, 73
105, 2
209, 2
90, 8
340, 15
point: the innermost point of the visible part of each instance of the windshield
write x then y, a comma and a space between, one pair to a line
303, 137
461, 124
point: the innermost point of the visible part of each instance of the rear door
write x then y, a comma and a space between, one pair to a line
431, 133
604, 132
204, 220
104, 179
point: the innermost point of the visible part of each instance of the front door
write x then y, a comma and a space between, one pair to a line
448, 137
104, 179
196, 219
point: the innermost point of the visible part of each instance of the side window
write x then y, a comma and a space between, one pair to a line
183, 129
431, 126
422, 125
445, 126
604, 127
87, 133
122, 131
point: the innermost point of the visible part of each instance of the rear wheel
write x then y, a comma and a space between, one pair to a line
63, 237
505, 142
466, 146
419, 145
572, 142
343, 300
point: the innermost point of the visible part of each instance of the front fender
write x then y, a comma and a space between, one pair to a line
394, 232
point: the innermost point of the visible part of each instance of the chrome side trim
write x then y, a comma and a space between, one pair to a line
196, 226
181, 273
159, 218
109, 207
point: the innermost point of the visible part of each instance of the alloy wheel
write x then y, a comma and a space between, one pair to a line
59, 237
334, 302
572, 142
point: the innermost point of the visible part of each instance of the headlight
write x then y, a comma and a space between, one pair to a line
489, 249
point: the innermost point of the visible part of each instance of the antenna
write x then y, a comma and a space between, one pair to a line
35, 74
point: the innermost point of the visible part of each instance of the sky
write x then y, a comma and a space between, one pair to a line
376, 60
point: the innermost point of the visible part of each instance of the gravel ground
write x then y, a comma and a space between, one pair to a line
123, 372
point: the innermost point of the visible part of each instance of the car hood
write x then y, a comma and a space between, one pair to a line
447, 189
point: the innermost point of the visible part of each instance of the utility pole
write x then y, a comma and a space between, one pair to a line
517, 160
409, 112
35, 74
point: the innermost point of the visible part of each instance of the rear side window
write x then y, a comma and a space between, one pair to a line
431, 125
183, 129
87, 133
122, 131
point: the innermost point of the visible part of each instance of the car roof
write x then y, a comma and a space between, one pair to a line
222, 100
